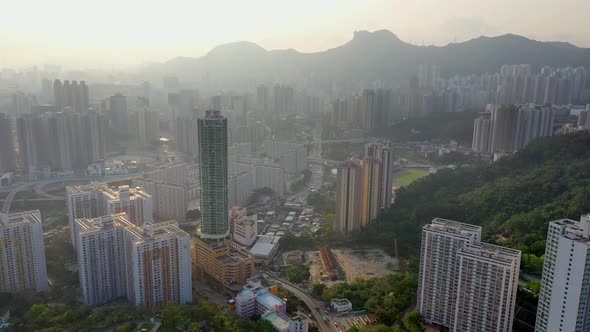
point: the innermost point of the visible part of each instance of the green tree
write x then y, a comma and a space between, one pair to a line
297, 273
317, 289
170, 315
262, 325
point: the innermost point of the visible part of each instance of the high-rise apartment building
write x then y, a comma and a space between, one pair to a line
376, 110
486, 288
481, 135
118, 113
22, 254
564, 299
61, 141
263, 98
428, 76
383, 152
372, 182
504, 120
169, 200
283, 99
511, 127
97, 199
28, 131
149, 264
348, 197
292, 156
214, 175
182, 102
176, 173
368, 110
83, 201
437, 281
95, 130
187, 133
22, 103
135, 202
464, 284
532, 122
159, 266
7, 146
270, 176
147, 124
240, 187
101, 258
71, 95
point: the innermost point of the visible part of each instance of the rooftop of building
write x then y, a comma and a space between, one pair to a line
341, 302
350, 163
451, 225
264, 245
328, 258
574, 229
252, 288
78, 189
13, 219
159, 182
158, 231
299, 318
278, 320
115, 193
245, 220
269, 300
213, 114
498, 254
231, 252
89, 225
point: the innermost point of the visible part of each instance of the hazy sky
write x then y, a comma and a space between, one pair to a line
102, 33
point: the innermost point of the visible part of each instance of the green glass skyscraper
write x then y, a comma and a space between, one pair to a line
213, 153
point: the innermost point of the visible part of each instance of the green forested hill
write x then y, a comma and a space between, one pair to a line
513, 199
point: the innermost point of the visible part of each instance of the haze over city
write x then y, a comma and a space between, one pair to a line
129, 33
295, 166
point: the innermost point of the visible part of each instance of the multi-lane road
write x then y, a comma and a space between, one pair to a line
317, 312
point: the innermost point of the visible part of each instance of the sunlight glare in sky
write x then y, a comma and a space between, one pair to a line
120, 32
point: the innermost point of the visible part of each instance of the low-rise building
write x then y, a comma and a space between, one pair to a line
266, 247
329, 265
282, 323
225, 262
256, 300
244, 227
294, 258
341, 305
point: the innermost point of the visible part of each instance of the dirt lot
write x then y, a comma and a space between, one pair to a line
364, 264
356, 264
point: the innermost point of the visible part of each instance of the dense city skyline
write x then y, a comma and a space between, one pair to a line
178, 28
295, 166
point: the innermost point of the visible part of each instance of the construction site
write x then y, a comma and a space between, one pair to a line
347, 265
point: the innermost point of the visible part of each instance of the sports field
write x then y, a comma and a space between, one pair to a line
407, 176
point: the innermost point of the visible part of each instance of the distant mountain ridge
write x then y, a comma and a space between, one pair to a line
370, 56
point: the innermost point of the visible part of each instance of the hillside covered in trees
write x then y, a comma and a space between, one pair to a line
514, 198
444, 126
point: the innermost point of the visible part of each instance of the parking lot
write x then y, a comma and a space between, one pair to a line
344, 323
